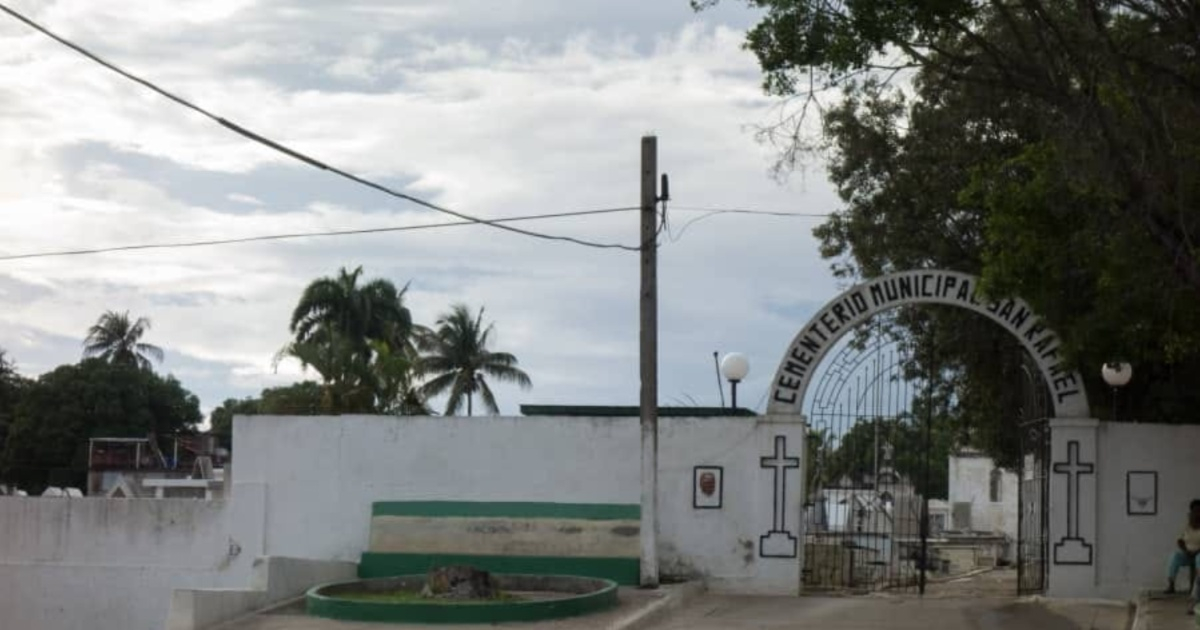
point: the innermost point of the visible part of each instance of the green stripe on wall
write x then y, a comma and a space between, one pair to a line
587, 511
623, 571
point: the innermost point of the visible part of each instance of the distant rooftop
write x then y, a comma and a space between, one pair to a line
613, 411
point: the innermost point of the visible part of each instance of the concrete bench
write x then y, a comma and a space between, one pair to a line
586, 539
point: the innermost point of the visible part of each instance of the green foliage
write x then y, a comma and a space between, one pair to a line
852, 456
395, 373
12, 389
360, 339
1049, 147
117, 339
902, 170
408, 597
371, 356
63, 408
459, 361
346, 371
339, 307
221, 419
306, 398
840, 38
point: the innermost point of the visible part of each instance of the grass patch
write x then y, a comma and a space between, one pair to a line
414, 597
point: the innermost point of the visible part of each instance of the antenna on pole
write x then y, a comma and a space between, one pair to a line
720, 385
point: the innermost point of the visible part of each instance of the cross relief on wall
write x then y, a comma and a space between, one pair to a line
779, 541
1073, 548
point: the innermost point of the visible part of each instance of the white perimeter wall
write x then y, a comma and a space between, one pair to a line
323, 474
1132, 551
111, 563
303, 488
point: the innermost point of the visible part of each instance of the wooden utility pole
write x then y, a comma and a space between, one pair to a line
649, 362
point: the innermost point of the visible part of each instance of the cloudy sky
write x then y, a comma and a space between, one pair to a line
492, 107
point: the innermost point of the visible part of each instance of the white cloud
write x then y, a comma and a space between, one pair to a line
495, 125
246, 199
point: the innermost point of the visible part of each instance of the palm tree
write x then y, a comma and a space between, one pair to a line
342, 328
117, 339
395, 372
348, 383
339, 306
456, 352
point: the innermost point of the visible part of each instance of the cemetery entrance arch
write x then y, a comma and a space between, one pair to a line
808, 359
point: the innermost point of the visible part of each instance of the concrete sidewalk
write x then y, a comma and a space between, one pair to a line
894, 613
1164, 612
975, 602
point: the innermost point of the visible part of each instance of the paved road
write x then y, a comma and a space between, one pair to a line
867, 613
1168, 612
977, 602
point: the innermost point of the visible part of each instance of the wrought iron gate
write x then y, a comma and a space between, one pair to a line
1033, 496
1033, 535
867, 523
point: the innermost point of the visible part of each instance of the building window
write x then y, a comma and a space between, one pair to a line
994, 485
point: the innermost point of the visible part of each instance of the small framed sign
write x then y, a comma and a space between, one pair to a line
708, 486
1141, 493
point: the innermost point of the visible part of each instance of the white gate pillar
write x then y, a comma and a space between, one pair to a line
778, 520
1073, 492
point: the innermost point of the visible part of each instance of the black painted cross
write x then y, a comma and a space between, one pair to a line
1073, 549
779, 542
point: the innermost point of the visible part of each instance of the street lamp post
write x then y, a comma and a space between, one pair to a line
734, 367
1116, 375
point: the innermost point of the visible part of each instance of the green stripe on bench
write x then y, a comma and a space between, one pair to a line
623, 571
585, 511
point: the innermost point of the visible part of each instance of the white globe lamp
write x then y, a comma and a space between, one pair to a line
734, 367
1116, 375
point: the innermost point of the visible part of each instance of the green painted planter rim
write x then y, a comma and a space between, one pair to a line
527, 610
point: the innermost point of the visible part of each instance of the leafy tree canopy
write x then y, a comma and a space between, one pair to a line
60, 410
915, 444
340, 306
1050, 147
12, 388
306, 398
362, 341
220, 421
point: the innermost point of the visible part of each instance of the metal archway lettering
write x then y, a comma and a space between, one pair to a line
931, 286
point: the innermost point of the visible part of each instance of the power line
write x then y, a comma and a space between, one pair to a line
674, 237
769, 213
280, 237
292, 153
401, 228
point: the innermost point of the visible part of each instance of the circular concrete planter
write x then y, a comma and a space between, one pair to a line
552, 596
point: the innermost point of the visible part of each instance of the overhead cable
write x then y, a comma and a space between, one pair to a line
293, 153
279, 237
